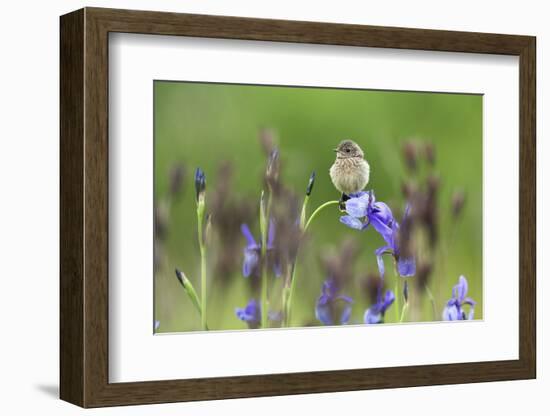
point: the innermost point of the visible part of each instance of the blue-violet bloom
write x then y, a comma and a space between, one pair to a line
325, 308
454, 309
253, 249
363, 210
375, 314
252, 314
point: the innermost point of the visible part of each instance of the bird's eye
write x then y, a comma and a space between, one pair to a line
348, 150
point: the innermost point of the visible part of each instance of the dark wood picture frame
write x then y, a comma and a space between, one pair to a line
84, 207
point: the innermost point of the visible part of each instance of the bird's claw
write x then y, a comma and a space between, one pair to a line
342, 203
342, 206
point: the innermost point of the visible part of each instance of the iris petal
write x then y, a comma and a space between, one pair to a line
250, 314
329, 288
383, 229
251, 242
382, 212
322, 313
251, 260
454, 311
375, 313
345, 298
277, 269
351, 222
345, 314
357, 207
379, 260
324, 308
372, 316
271, 234
469, 301
388, 300
450, 313
406, 267
462, 288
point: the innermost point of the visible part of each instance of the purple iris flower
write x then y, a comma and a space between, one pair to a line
252, 251
325, 309
363, 210
375, 314
454, 309
252, 314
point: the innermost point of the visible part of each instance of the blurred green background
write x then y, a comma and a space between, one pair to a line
209, 125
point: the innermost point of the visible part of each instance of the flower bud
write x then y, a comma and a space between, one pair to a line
310, 183
200, 184
429, 153
409, 154
189, 289
408, 188
458, 200
182, 278
272, 169
267, 140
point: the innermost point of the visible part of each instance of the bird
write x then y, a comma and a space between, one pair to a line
350, 171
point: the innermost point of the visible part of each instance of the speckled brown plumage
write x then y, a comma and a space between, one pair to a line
350, 172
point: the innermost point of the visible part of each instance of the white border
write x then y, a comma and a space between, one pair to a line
136, 355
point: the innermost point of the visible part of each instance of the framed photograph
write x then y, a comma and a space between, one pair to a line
255, 207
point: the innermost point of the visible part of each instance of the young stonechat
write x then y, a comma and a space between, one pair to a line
350, 171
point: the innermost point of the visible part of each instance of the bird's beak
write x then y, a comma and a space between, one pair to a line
335, 149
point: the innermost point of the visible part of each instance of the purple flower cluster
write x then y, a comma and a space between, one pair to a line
251, 262
362, 211
375, 314
454, 310
252, 314
326, 309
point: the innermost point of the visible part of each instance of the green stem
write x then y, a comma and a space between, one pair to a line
397, 298
432, 300
406, 302
404, 311
304, 212
264, 290
264, 226
397, 291
189, 290
194, 299
202, 248
317, 211
290, 292
203, 289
